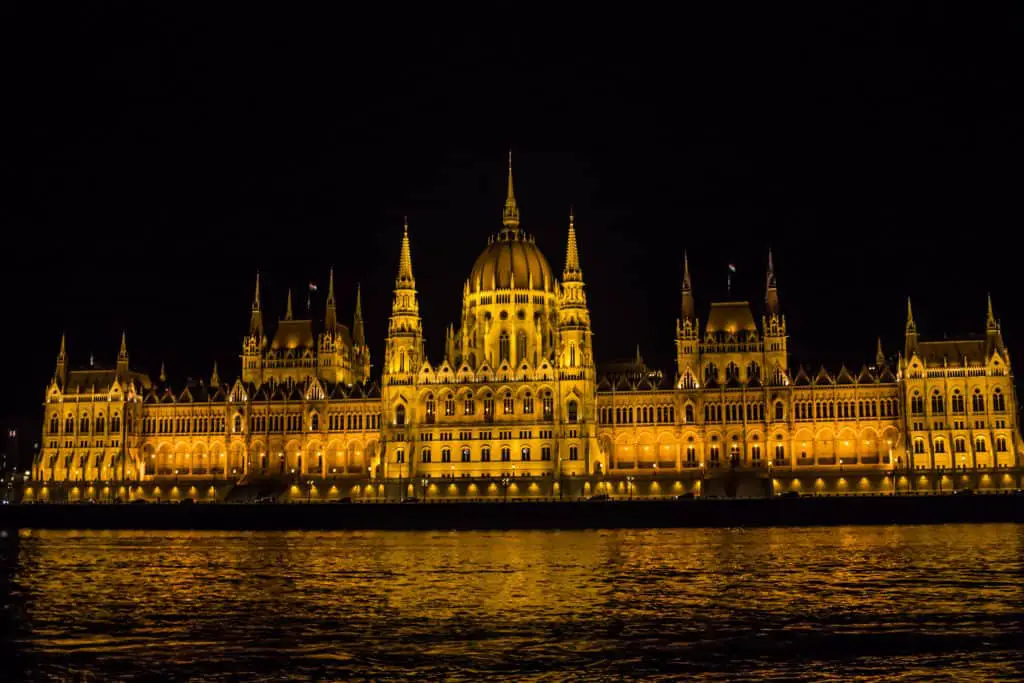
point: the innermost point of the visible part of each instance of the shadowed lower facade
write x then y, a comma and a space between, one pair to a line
516, 407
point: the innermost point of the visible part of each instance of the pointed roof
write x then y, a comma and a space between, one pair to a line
911, 326
572, 271
990, 318
330, 286
510, 214
256, 295
163, 372
687, 282
123, 353
358, 334
405, 277
288, 310
215, 378
879, 355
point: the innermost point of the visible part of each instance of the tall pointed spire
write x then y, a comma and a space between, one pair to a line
572, 271
910, 336
122, 358
163, 372
990, 318
689, 307
879, 355
288, 310
358, 334
215, 376
405, 277
256, 317
60, 371
123, 353
331, 316
993, 333
771, 294
911, 325
510, 215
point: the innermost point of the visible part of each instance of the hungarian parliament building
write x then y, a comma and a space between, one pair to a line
517, 408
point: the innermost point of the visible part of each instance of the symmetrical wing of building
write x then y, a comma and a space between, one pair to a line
517, 407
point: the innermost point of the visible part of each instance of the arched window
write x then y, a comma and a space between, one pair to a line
425, 455
506, 454
979, 445
780, 410
573, 411
710, 373
314, 422
503, 351
938, 405
54, 424
780, 454
1001, 444
939, 446
238, 423
978, 402
732, 373
431, 409
572, 355
100, 424
446, 454
520, 346
508, 403
400, 415
549, 405
958, 401
691, 456
688, 412
485, 454
399, 456
998, 401
753, 372
917, 404
524, 455
468, 405
960, 445
115, 423
449, 405
465, 454
84, 426
919, 445
528, 403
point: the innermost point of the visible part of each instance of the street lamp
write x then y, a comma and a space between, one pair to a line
771, 482
629, 485
561, 479
424, 481
701, 478
309, 491
505, 482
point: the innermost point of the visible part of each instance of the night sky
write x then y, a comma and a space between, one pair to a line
153, 162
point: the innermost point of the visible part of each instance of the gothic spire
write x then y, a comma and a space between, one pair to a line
572, 270
256, 317
331, 316
910, 341
62, 362
990, 319
405, 278
123, 353
771, 294
163, 372
215, 377
879, 355
689, 308
911, 326
288, 310
358, 335
510, 216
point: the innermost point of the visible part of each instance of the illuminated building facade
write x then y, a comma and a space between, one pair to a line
516, 407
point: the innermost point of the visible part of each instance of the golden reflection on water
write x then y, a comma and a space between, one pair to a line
908, 603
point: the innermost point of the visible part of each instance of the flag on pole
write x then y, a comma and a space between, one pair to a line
732, 268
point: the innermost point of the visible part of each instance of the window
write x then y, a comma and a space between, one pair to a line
520, 346
431, 409
488, 406
710, 373
54, 424
508, 403
549, 405
958, 401
465, 454
1001, 444
425, 455
485, 454
979, 445
449, 406
714, 456
524, 454
528, 403
468, 406
780, 411
938, 405
506, 454
691, 455
100, 424
917, 404
753, 372
939, 446
503, 352
688, 412
446, 455
732, 373
314, 422
755, 454
574, 453
780, 454
400, 415
84, 426
960, 445
572, 355
545, 452
238, 423
978, 402
573, 411
919, 445
734, 454
69, 424
998, 401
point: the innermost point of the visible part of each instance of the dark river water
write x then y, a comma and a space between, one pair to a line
877, 603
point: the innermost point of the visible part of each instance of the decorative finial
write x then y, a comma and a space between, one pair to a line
687, 283
510, 216
572, 257
911, 326
990, 320
879, 355
405, 277
123, 353
288, 309
256, 296
163, 372
215, 377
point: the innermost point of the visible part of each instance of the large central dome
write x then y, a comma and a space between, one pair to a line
511, 259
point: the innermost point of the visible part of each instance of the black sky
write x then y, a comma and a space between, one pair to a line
153, 161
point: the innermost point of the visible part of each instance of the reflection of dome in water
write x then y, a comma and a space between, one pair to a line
511, 257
